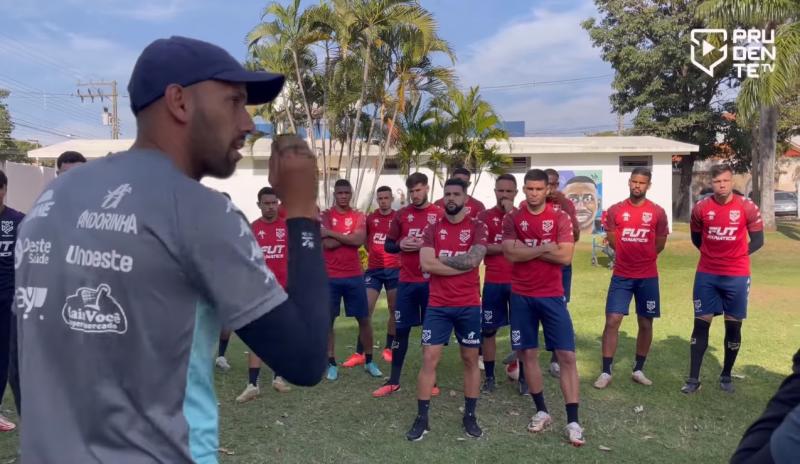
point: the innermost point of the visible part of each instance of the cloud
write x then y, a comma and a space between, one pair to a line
152, 10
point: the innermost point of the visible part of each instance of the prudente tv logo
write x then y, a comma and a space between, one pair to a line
752, 50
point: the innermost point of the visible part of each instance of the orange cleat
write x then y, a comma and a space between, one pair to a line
354, 360
435, 391
387, 355
385, 390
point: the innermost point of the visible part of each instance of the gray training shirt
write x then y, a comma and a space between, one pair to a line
125, 270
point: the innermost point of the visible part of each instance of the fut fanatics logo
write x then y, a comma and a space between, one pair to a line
94, 310
426, 335
524, 225
647, 216
734, 215
280, 233
464, 235
431, 218
547, 225
7, 227
626, 216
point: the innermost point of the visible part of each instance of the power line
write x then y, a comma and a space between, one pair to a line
544, 83
40, 129
46, 59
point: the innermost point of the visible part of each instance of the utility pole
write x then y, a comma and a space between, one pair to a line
620, 123
99, 90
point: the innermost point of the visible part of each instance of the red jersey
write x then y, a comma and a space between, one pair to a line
343, 261
472, 206
281, 212
537, 278
448, 239
724, 228
272, 238
498, 268
636, 229
377, 229
410, 221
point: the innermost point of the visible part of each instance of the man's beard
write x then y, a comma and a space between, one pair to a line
453, 210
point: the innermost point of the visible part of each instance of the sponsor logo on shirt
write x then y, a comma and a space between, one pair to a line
307, 240
273, 251
94, 310
42, 206
464, 235
110, 221
725, 234
414, 233
547, 225
379, 238
524, 225
112, 199
112, 260
633, 235
7, 227
38, 252
647, 216
30, 298
5, 248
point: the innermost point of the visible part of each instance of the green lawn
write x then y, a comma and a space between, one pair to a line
341, 422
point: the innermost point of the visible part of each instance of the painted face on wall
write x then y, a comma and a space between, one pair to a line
582, 192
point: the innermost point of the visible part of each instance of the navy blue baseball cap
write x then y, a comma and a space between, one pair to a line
185, 61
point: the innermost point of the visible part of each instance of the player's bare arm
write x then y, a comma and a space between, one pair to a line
611, 238
357, 238
518, 252
410, 244
429, 263
465, 262
561, 255
661, 242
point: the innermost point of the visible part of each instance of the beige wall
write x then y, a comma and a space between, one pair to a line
25, 183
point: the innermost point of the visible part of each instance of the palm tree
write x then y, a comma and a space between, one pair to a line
759, 98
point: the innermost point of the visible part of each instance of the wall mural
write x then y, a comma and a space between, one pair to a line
585, 189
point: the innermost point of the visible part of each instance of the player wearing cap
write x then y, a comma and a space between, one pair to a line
637, 231
538, 241
405, 237
720, 226
131, 284
452, 250
473, 206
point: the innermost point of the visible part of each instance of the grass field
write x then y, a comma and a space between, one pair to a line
341, 422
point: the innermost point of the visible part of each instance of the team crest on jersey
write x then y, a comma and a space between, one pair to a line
426, 335
734, 215
464, 235
547, 225
516, 336
647, 216
431, 218
523, 225
711, 215
7, 227
442, 234
626, 216
280, 234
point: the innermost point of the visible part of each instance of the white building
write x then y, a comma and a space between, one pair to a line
600, 167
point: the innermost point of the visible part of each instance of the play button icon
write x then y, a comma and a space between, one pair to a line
707, 48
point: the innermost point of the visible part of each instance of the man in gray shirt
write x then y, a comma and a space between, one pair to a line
127, 268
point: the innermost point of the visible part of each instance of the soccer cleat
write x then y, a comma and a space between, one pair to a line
6, 425
488, 385
555, 370
639, 377
575, 434
471, 427
522, 385
373, 370
603, 381
387, 355
280, 385
354, 360
539, 422
691, 386
250, 393
512, 371
511, 358
726, 384
222, 363
481, 366
435, 391
419, 429
385, 390
333, 373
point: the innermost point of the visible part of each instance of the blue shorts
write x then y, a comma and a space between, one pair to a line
718, 294
412, 299
622, 289
496, 305
527, 312
566, 281
440, 322
382, 278
352, 290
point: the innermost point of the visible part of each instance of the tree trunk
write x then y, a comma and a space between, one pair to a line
755, 169
767, 140
310, 122
360, 177
382, 156
360, 102
290, 118
682, 206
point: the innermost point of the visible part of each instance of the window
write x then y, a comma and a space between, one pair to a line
629, 163
519, 164
390, 166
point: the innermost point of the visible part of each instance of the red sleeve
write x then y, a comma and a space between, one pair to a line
753, 215
394, 227
564, 225
479, 206
439, 203
696, 224
325, 219
509, 230
361, 222
427, 236
611, 222
482, 216
481, 233
662, 228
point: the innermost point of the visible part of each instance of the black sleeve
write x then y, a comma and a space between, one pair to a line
292, 339
391, 246
755, 444
756, 242
697, 239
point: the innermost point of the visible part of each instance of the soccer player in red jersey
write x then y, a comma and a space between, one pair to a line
473, 206
720, 225
637, 231
344, 231
497, 275
270, 233
405, 237
538, 240
451, 252
383, 269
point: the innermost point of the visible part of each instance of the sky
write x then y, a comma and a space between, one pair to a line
48, 47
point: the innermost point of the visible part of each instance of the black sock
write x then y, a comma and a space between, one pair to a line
699, 345
332, 361
553, 358
369, 358
223, 345
399, 349
639, 362
469, 406
538, 401
359, 346
489, 369
422, 408
521, 372
572, 412
389, 340
607, 365
733, 338
253, 374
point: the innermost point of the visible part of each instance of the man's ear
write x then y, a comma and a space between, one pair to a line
178, 102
